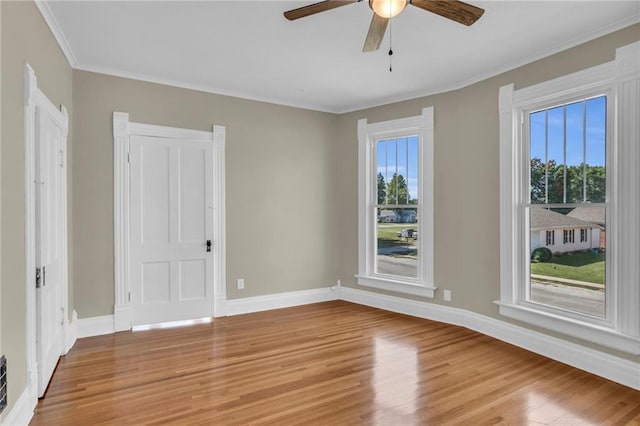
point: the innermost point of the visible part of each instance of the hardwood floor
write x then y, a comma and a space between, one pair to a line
332, 363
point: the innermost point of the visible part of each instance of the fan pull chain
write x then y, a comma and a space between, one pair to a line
390, 49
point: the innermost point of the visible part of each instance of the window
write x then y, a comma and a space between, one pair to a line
397, 207
568, 162
395, 233
569, 236
551, 238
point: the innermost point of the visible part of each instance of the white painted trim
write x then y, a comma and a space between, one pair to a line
494, 72
123, 317
563, 324
70, 332
280, 300
121, 189
154, 131
620, 81
123, 129
219, 221
397, 286
30, 93
368, 134
57, 32
22, 411
96, 326
64, 45
35, 99
593, 361
199, 87
627, 181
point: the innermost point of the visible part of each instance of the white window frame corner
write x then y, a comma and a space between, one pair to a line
368, 134
620, 79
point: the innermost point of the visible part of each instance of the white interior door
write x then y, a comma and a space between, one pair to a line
171, 222
49, 172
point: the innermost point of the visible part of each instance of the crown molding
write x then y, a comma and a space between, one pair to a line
197, 87
45, 11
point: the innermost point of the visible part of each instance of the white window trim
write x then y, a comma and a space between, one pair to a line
368, 134
621, 79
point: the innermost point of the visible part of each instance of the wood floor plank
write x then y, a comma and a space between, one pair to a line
332, 363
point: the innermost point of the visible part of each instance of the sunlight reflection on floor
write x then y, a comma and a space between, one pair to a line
172, 324
542, 411
395, 363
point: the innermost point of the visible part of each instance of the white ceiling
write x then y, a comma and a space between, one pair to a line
248, 49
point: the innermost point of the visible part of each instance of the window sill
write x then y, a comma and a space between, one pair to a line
592, 333
397, 286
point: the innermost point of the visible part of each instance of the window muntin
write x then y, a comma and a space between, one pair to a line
568, 190
397, 210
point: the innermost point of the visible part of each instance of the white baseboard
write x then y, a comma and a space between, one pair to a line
280, 300
22, 411
95, 326
593, 361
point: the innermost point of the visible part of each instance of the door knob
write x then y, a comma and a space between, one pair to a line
208, 245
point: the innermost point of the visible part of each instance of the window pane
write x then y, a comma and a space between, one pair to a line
397, 242
402, 188
575, 152
555, 153
568, 258
596, 118
382, 173
538, 157
392, 165
397, 173
412, 173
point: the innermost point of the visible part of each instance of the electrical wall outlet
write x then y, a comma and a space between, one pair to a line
240, 283
446, 295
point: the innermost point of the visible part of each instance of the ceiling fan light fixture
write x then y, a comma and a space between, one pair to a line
387, 8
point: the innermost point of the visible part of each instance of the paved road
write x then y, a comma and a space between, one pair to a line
402, 266
586, 301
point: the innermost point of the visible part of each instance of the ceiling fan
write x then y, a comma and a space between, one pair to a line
384, 10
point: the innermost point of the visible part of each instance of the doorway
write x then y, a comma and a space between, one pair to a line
169, 223
46, 130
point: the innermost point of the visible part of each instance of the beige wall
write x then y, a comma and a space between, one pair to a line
466, 174
282, 217
25, 38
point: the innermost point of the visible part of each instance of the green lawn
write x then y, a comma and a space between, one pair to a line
388, 234
587, 267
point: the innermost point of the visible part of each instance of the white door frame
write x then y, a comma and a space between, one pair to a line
123, 129
34, 98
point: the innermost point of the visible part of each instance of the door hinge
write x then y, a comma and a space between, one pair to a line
38, 278
129, 296
129, 157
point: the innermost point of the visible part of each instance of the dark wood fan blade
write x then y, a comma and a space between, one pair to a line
458, 11
312, 9
377, 28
